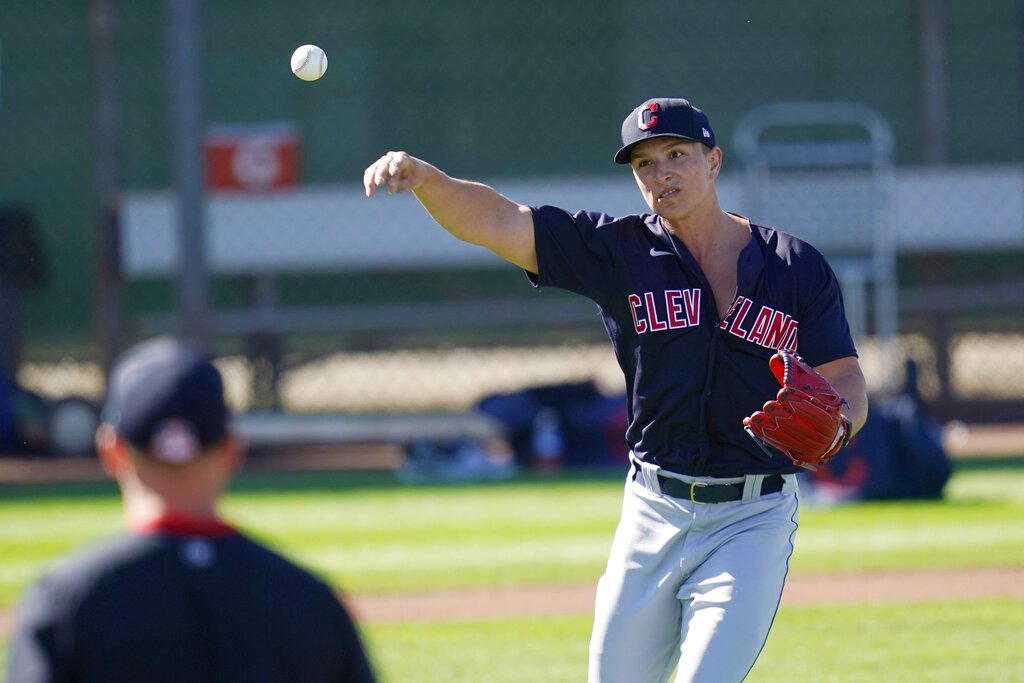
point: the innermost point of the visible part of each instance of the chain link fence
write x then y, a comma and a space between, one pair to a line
317, 299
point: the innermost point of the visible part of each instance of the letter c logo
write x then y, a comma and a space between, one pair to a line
646, 117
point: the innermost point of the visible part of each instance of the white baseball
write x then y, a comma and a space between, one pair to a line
309, 62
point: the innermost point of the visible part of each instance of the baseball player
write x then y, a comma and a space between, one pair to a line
740, 371
183, 596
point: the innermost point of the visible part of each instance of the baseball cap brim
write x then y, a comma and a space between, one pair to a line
624, 154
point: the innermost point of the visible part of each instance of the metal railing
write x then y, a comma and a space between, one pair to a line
824, 172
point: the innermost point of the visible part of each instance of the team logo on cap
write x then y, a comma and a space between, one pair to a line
647, 117
175, 441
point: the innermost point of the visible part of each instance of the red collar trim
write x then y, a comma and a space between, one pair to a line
182, 525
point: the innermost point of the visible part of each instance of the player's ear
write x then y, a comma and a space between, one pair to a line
714, 157
233, 450
110, 448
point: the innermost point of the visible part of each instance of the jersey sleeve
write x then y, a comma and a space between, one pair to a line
574, 251
824, 330
40, 647
357, 667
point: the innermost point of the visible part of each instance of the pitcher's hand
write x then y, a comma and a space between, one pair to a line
397, 171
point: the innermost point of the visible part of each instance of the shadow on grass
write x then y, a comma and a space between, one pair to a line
998, 462
256, 481
385, 480
286, 481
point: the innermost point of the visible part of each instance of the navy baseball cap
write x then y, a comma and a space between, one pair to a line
166, 398
664, 117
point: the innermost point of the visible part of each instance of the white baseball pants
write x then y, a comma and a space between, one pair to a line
693, 585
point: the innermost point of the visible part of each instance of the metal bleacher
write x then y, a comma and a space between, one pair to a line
824, 171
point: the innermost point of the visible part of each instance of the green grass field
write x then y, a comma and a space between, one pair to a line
954, 641
368, 534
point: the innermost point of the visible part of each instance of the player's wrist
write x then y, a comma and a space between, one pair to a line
848, 429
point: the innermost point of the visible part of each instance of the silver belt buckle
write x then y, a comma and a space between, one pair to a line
693, 487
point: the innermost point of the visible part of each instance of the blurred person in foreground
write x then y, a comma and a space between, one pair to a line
183, 595
706, 311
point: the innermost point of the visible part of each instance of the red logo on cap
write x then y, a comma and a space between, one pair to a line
646, 118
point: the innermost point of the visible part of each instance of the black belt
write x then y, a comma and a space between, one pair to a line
702, 492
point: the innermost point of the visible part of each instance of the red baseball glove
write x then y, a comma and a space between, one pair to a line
804, 420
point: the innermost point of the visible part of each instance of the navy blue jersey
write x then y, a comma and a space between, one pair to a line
691, 378
165, 607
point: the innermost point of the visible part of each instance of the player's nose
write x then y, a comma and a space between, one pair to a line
663, 171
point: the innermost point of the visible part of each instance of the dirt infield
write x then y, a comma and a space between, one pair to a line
800, 590
578, 599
